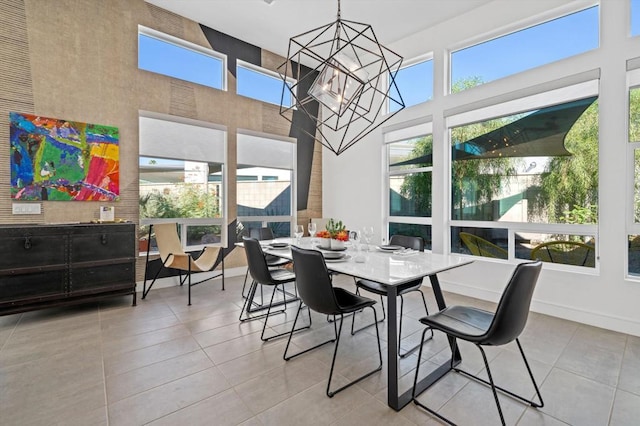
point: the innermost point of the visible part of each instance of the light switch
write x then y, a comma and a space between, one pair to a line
26, 208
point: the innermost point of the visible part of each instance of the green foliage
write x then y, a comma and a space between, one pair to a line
334, 227
189, 201
573, 180
581, 215
417, 186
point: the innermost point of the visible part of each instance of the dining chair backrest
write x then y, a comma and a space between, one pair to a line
415, 243
313, 281
513, 309
256, 261
264, 233
167, 239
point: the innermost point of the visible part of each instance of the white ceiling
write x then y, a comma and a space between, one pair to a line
271, 26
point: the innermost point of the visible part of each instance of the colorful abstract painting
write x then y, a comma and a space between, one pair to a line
60, 160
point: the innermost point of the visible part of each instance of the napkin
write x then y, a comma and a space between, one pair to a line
406, 252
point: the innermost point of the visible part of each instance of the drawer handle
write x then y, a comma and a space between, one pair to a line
104, 239
27, 243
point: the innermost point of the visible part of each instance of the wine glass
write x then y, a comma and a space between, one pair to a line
312, 231
367, 235
298, 233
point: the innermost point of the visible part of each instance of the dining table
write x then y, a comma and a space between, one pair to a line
389, 268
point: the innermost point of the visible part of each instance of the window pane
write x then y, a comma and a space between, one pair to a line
410, 195
526, 49
485, 242
259, 197
578, 250
178, 189
209, 234
415, 84
411, 154
522, 168
635, 17
180, 62
260, 86
412, 230
634, 255
634, 114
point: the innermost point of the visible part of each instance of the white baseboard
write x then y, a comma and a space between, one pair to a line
596, 319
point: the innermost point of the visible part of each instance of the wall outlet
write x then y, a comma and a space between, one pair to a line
26, 208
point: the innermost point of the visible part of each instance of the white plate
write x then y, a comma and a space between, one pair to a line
341, 259
389, 248
333, 255
278, 246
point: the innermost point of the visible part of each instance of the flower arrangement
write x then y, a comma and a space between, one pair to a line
323, 234
334, 236
337, 230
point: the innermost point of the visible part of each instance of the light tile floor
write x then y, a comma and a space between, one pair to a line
165, 363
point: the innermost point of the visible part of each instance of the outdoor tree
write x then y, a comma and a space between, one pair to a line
569, 187
474, 181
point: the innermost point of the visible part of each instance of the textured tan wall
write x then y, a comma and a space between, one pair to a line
77, 60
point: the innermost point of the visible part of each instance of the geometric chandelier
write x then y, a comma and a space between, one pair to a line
344, 80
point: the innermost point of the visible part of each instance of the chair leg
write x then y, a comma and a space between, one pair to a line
410, 351
508, 392
189, 277
247, 304
415, 383
330, 393
293, 329
245, 283
384, 316
286, 349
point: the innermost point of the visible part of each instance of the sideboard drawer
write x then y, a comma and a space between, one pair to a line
40, 285
32, 250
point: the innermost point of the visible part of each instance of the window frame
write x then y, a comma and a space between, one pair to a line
407, 64
505, 31
403, 133
268, 73
525, 103
167, 38
265, 220
224, 184
633, 227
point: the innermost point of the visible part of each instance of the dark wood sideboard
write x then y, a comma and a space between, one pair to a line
52, 265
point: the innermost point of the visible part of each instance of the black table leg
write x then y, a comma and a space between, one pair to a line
395, 401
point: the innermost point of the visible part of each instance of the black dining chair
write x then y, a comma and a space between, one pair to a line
317, 292
262, 234
484, 328
415, 243
263, 276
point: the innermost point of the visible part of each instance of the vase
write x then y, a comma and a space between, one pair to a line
337, 245
324, 243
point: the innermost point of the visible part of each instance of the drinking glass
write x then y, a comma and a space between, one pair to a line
312, 232
367, 235
298, 233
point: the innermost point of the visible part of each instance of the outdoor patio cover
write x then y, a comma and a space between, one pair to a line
540, 133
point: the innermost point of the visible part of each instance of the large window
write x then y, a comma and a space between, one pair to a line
264, 186
415, 84
525, 49
410, 167
181, 178
170, 56
261, 84
525, 185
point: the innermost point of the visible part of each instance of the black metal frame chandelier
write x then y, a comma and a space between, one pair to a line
343, 80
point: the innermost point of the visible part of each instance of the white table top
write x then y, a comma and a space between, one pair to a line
383, 267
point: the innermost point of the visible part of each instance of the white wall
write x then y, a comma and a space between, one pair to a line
353, 182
